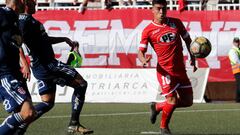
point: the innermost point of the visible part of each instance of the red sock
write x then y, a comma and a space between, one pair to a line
166, 114
160, 105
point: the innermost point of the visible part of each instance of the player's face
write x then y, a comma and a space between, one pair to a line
159, 12
30, 7
16, 5
76, 48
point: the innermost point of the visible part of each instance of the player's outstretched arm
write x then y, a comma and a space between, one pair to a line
141, 57
188, 42
55, 40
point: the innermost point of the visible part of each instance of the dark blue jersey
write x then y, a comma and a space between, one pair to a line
36, 39
9, 52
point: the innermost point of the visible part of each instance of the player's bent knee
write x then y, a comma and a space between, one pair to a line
81, 89
48, 97
27, 111
172, 100
28, 115
84, 84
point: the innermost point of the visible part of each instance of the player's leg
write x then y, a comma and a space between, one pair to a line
169, 86
167, 112
156, 108
159, 106
185, 92
46, 88
177, 95
46, 104
66, 75
47, 92
237, 78
11, 123
78, 99
185, 97
179, 98
15, 99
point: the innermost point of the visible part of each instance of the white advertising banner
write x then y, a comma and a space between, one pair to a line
123, 85
111, 40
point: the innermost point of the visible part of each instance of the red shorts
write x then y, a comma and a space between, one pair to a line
170, 84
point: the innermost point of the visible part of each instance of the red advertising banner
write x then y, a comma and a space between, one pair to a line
110, 38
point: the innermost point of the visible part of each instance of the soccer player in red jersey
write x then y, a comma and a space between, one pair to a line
164, 35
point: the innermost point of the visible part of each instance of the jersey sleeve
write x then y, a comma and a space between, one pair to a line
3, 21
144, 41
182, 30
25, 28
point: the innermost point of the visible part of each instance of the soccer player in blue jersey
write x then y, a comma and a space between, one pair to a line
50, 72
13, 88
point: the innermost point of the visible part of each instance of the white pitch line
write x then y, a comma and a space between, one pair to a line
136, 113
150, 133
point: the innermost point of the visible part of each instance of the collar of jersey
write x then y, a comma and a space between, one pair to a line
160, 25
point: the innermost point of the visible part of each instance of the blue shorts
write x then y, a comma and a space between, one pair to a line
54, 73
12, 92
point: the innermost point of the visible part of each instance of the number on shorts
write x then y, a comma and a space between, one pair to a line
41, 84
6, 104
166, 80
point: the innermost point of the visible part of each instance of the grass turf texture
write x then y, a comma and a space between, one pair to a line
133, 119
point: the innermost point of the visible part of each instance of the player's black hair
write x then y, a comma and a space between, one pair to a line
76, 44
21, 6
26, 2
164, 2
236, 39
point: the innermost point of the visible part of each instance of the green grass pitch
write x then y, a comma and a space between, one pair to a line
133, 119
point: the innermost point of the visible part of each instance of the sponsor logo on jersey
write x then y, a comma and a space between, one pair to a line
167, 38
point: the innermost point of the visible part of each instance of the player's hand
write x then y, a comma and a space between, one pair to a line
16, 40
26, 73
193, 63
145, 62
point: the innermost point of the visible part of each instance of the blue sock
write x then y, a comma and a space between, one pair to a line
40, 108
10, 124
77, 105
78, 99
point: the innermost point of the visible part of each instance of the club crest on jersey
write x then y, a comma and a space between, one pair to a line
167, 38
172, 25
21, 90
